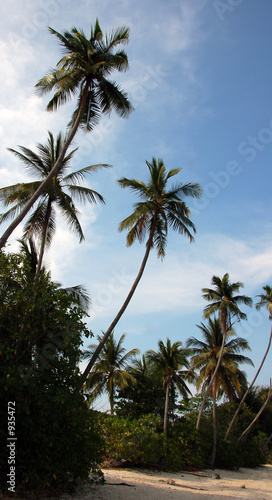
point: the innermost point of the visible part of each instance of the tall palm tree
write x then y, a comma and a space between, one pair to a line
170, 361
224, 301
111, 369
82, 71
228, 378
160, 207
41, 222
265, 300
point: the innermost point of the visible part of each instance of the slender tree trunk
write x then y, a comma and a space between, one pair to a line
165, 422
212, 459
224, 329
248, 429
111, 396
248, 389
122, 310
266, 443
52, 173
42, 247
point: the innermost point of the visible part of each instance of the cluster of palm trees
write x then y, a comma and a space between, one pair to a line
84, 72
212, 363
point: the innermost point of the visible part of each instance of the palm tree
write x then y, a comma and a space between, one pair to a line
265, 300
169, 361
111, 369
42, 223
228, 378
160, 207
223, 301
82, 71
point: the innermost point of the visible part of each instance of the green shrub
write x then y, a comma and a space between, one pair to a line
57, 438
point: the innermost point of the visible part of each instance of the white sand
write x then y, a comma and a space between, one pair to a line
149, 485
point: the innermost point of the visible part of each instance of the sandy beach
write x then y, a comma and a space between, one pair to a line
123, 484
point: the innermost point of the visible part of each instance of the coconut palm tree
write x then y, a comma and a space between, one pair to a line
170, 361
228, 378
159, 208
223, 300
111, 369
265, 300
83, 71
41, 222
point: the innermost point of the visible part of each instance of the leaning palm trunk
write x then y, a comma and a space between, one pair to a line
248, 389
52, 173
212, 459
224, 328
165, 423
122, 310
248, 429
42, 247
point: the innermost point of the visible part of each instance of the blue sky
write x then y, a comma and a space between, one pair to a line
200, 81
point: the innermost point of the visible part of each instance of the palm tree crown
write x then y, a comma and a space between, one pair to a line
41, 223
265, 300
160, 207
169, 361
111, 369
205, 353
84, 71
224, 300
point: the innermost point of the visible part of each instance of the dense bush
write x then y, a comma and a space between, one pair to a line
40, 339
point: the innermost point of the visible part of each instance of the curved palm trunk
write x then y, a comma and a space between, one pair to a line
224, 329
248, 389
165, 422
212, 459
122, 310
44, 233
52, 173
248, 429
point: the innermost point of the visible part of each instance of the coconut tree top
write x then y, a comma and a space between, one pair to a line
83, 71
160, 207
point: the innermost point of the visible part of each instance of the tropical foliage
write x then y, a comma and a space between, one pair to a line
42, 222
110, 371
229, 379
171, 363
160, 208
83, 71
58, 441
223, 301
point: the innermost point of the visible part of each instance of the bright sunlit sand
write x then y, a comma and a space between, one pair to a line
123, 484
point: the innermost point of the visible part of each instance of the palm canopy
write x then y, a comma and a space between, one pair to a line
111, 368
224, 300
169, 361
160, 207
83, 71
62, 190
204, 359
265, 300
